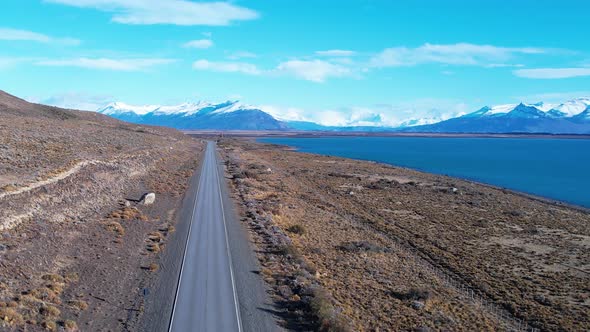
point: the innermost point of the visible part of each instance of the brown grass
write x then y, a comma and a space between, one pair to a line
49, 311
115, 227
155, 236
9, 188
128, 213
49, 325
70, 325
78, 304
328, 318
154, 247
296, 229
72, 277
53, 278
45, 294
10, 316
57, 288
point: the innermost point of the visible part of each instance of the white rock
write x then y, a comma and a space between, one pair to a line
148, 199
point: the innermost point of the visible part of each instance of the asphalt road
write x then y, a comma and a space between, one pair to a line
214, 292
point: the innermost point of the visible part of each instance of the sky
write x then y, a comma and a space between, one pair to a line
333, 62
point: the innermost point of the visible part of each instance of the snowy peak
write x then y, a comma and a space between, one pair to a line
185, 109
570, 108
526, 111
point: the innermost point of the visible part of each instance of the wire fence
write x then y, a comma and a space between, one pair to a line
509, 321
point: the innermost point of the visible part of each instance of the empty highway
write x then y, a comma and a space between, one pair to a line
210, 295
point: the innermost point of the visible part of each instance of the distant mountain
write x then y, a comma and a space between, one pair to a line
230, 115
572, 117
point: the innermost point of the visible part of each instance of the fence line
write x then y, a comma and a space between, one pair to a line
510, 322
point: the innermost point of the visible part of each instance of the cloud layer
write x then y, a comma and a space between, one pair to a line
178, 12
199, 43
552, 73
107, 64
25, 35
227, 67
449, 54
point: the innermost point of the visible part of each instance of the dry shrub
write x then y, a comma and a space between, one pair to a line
49, 325
72, 277
53, 278
296, 229
155, 236
10, 316
9, 188
45, 294
328, 317
78, 304
57, 288
128, 213
115, 227
288, 250
153, 267
27, 300
49, 311
154, 247
416, 294
70, 325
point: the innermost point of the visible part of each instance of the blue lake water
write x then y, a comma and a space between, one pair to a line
552, 168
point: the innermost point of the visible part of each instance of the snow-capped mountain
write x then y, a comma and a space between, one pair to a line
229, 115
571, 117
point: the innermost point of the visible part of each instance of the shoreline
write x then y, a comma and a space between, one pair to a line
539, 198
317, 134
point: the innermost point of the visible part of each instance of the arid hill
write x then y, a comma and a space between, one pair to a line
76, 248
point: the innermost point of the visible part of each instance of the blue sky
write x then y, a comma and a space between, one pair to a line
337, 62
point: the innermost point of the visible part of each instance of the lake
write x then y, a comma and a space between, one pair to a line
554, 168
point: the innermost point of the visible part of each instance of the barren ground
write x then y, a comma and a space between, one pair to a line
397, 249
76, 248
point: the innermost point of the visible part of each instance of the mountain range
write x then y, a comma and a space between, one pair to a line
571, 117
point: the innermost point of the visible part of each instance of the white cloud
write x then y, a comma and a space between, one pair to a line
336, 53
24, 35
285, 113
553, 97
178, 12
552, 73
77, 100
200, 43
241, 54
450, 54
414, 112
504, 65
8, 62
227, 67
107, 64
313, 70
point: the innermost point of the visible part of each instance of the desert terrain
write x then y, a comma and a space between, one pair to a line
355, 245
79, 250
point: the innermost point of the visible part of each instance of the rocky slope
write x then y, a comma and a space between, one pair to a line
77, 248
